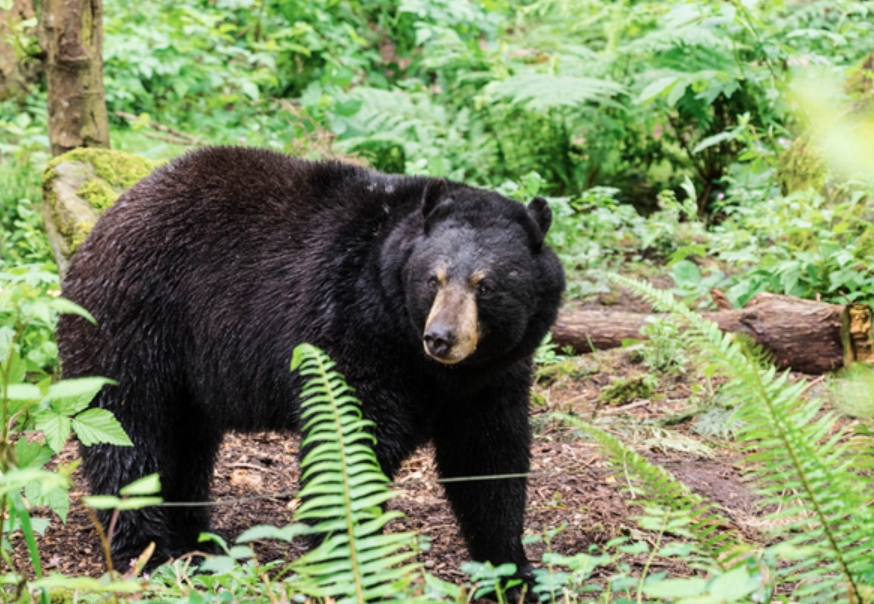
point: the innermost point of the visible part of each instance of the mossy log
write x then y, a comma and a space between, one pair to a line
77, 187
808, 336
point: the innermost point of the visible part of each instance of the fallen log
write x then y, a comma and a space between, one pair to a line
808, 336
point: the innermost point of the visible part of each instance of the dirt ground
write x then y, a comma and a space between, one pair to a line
569, 482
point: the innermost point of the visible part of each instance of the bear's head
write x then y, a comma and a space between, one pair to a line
480, 283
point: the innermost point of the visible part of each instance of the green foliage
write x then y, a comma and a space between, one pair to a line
663, 350
36, 415
802, 244
628, 389
343, 495
667, 129
22, 236
793, 447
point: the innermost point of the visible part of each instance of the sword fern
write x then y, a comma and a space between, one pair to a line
800, 463
343, 493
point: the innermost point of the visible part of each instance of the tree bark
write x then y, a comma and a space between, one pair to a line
71, 37
810, 337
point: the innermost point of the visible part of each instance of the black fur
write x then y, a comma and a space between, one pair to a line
205, 275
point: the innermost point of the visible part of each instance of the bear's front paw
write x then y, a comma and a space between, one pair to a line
522, 592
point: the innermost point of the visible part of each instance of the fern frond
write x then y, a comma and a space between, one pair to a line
792, 449
540, 91
344, 489
652, 484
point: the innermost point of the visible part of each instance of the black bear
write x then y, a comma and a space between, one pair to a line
431, 296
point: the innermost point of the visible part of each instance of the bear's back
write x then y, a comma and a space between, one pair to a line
235, 203
224, 246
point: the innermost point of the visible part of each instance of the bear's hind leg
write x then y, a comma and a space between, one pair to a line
108, 469
196, 442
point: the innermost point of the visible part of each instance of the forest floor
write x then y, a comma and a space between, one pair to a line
257, 475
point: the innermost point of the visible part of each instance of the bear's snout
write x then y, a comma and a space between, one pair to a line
439, 340
452, 329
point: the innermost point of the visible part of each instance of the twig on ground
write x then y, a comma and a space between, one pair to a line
167, 139
179, 138
642, 403
812, 384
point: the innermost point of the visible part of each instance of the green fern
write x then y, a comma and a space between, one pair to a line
344, 489
649, 483
801, 465
540, 91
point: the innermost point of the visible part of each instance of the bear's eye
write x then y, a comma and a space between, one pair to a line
433, 283
482, 289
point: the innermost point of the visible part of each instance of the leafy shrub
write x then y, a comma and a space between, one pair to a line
38, 416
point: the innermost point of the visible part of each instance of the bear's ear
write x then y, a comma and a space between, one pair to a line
541, 214
431, 197
434, 190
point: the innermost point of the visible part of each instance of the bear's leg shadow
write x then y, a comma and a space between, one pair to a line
484, 437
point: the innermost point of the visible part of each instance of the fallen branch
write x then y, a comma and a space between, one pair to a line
808, 336
167, 139
180, 137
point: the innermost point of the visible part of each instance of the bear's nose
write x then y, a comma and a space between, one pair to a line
439, 341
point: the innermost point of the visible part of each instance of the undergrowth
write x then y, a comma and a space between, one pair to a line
813, 472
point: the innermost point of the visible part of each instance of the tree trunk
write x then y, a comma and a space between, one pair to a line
808, 336
71, 37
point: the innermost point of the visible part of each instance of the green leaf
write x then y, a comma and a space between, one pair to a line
100, 426
298, 355
27, 528
86, 584
23, 392
31, 454
136, 503
686, 273
677, 92
676, 588
733, 585
16, 480
58, 499
147, 485
72, 405
101, 502
77, 387
539, 91
262, 532
17, 368
728, 135
66, 307
840, 228
241, 552
657, 88
207, 537
634, 548
40, 524
343, 487
55, 426
218, 565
